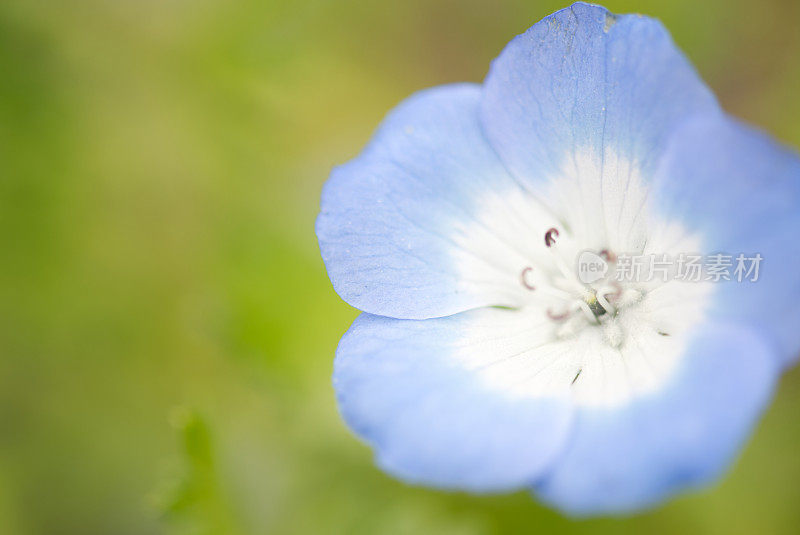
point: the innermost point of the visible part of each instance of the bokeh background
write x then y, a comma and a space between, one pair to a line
167, 328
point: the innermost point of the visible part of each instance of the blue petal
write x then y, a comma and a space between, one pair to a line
389, 217
742, 191
685, 436
433, 422
584, 79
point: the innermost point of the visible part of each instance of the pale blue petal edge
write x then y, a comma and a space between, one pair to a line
386, 218
740, 190
623, 460
586, 79
432, 422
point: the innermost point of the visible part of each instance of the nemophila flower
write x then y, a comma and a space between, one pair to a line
485, 360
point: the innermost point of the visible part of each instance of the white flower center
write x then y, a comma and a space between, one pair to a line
606, 340
580, 303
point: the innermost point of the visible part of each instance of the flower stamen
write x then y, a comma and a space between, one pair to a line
558, 317
550, 236
523, 278
608, 256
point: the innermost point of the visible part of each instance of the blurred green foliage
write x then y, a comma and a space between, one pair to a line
160, 167
192, 499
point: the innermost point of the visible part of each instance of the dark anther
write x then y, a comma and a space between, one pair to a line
595, 306
662, 333
607, 255
524, 280
550, 237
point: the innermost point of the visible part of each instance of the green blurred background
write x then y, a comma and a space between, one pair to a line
167, 328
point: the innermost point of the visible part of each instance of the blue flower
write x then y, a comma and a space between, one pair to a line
484, 360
